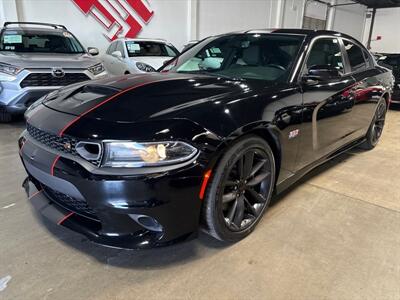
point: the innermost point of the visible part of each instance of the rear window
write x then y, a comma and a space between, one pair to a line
139, 48
356, 57
39, 42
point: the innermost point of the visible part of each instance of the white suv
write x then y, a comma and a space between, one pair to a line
130, 56
37, 58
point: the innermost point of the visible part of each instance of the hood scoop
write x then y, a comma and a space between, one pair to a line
77, 100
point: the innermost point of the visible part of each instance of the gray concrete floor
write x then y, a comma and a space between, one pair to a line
335, 235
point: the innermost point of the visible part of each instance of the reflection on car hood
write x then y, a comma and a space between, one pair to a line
144, 96
48, 60
155, 61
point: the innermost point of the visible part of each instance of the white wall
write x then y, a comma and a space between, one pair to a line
350, 19
182, 20
387, 22
316, 10
169, 20
293, 13
221, 16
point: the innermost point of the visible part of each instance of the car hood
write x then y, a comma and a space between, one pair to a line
155, 61
48, 60
143, 97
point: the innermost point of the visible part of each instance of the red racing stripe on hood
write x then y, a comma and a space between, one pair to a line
61, 133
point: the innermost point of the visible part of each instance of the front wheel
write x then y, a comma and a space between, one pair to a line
376, 128
240, 190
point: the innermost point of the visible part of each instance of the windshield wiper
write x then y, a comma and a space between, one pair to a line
203, 72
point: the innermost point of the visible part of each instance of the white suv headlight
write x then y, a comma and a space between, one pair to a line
96, 69
7, 72
135, 155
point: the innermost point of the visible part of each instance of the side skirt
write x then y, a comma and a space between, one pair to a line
301, 173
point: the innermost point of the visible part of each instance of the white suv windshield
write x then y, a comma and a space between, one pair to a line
39, 42
268, 57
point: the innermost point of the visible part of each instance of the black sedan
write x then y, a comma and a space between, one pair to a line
392, 61
144, 160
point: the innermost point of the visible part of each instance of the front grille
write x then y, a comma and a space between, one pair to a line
47, 79
75, 205
62, 144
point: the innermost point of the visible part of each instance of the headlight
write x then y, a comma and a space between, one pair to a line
144, 67
6, 70
96, 69
134, 155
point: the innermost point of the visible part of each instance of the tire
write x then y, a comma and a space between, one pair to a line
231, 196
376, 128
127, 73
5, 117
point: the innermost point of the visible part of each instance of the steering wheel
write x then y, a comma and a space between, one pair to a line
276, 66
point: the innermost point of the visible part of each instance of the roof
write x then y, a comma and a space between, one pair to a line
143, 40
305, 32
36, 29
379, 3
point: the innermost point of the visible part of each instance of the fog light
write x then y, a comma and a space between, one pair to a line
147, 222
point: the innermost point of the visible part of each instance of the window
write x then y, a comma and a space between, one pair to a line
112, 48
356, 56
172, 52
326, 52
147, 48
368, 58
35, 41
120, 48
266, 57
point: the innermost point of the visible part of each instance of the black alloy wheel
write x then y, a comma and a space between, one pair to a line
240, 190
375, 130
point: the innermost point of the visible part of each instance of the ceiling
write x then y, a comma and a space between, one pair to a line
379, 3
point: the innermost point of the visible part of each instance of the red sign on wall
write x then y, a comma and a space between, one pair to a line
119, 17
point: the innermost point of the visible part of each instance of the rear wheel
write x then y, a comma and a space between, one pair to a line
376, 128
5, 117
240, 190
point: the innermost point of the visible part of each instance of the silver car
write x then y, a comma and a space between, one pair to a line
37, 58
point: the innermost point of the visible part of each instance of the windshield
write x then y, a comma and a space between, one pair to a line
139, 48
33, 41
268, 57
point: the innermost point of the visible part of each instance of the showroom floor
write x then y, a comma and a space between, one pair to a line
334, 236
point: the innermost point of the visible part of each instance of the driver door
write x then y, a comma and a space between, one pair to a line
327, 103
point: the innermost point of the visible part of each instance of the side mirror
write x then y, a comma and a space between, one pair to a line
321, 73
117, 54
93, 51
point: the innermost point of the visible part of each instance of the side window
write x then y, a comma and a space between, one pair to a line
368, 58
111, 48
170, 51
326, 52
356, 57
120, 48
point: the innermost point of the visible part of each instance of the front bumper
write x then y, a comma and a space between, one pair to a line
109, 207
